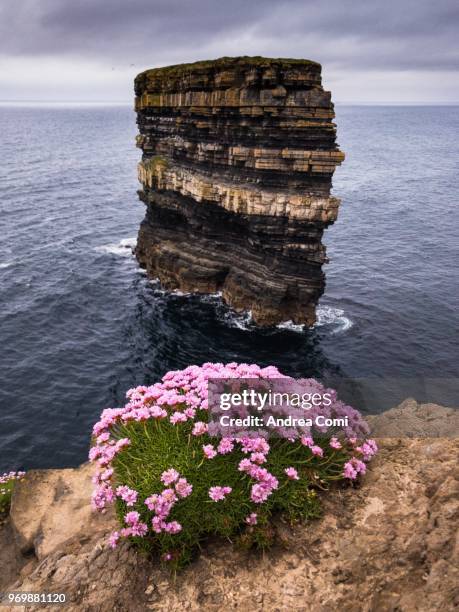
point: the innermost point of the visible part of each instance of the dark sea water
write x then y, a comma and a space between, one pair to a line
80, 323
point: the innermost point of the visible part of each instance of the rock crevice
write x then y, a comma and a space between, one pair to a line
238, 157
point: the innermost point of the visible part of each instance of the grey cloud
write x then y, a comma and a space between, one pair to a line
357, 34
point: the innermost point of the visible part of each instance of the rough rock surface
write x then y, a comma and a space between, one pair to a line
238, 157
416, 421
51, 507
389, 544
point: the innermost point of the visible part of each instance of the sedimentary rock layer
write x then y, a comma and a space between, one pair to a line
238, 157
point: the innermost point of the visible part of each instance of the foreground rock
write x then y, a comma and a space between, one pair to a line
238, 157
390, 544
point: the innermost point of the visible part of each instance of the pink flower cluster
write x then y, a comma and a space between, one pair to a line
356, 466
292, 474
135, 527
161, 504
180, 398
219, 493
335, 443
368, 449
209, 451
309, 443
184, 390
127, 495
266, 482
225, 447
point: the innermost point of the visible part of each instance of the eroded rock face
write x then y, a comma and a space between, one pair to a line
51, 507
387, 545
238, 157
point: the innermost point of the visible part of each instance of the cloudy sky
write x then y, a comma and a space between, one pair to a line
90, 50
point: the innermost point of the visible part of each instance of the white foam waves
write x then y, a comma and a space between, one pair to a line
290, 326
123, 248
334, 318
237, 320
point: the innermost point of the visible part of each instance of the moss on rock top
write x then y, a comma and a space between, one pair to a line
224, 63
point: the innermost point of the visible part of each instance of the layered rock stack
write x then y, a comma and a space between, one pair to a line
238, 158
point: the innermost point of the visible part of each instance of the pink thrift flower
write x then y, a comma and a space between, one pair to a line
102, 496
218, 493
209, 451
368, 449
173, 527
271, 482
122, 443
183, 488
199, 428
291, 473
225, 446
158, 413
157, 524
139, 529
169, 476
94, 453
335, 443
114, 539
255, 445
127, 495
106, 474
245, 465
151, 501
169, 496
251, 519
132, 518
125, 532
349, 471
317, 451
163, 508
258, 458
307, 441
359, 466
257, 472
178, 417
259, 493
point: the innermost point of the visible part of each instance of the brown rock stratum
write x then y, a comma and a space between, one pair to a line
389, 544
237, 161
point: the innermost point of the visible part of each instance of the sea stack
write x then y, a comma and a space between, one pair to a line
236, 171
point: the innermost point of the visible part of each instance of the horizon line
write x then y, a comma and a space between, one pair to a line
131, 102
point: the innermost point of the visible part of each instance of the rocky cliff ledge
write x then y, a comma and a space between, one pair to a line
238, 158
388, 545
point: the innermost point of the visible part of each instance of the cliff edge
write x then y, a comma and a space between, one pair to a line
389, 544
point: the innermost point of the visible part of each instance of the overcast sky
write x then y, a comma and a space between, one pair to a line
90, 50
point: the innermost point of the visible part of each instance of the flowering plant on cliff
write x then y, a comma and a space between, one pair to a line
173, 484
7, 482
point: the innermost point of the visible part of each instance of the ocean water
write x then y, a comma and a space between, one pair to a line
80, 323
